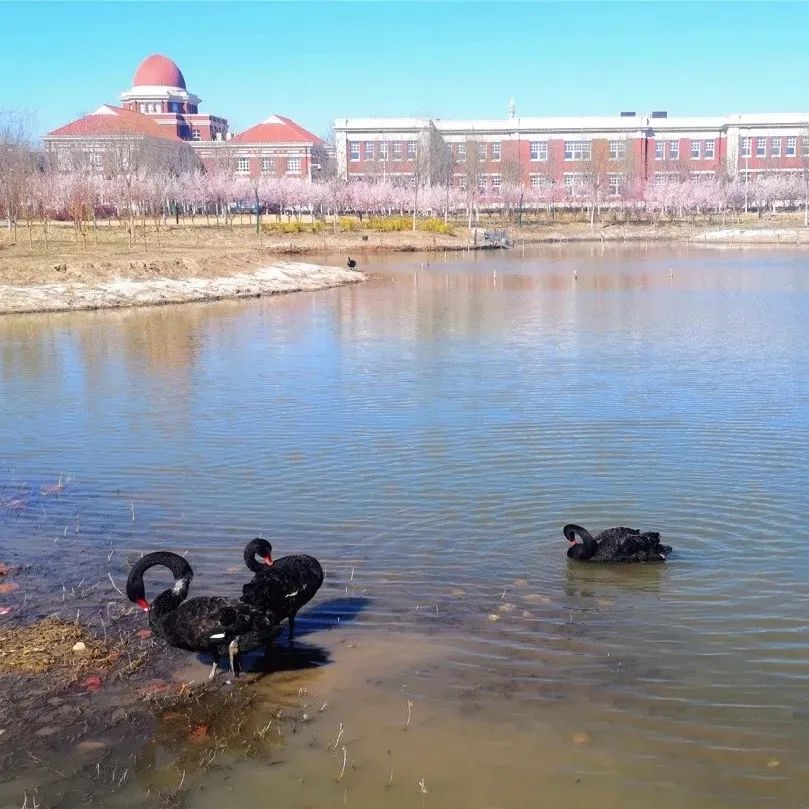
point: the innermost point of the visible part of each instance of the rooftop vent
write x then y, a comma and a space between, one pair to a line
660, 114
628, 115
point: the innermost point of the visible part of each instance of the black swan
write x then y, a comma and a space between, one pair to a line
283, 585
351, 263
206, 624
615, 545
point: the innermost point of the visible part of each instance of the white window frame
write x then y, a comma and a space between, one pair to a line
496, 152
370, 150
383, 150
538, 150
615, 183
573, 181
539, 181
196, 135
294, 165
696, 149
243, 165
482, 184
578, 150
761, 146
411, 150
709, 149
617, 149
792, 146
674, 149
746, 147
496, 183
266, 165
775, 146
354, 151
396, 150
660, 150
461, 151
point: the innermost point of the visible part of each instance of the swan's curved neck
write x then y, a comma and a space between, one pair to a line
589, 543
258, 547
169, 599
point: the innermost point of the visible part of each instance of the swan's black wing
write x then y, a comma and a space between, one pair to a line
209, 624
307, 575
629, 545
285, 586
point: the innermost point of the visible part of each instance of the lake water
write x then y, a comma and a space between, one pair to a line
426, 435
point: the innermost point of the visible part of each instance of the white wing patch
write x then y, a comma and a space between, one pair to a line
217, 636
292, 595
179, 586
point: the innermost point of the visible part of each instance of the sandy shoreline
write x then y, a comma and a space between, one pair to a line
274, 279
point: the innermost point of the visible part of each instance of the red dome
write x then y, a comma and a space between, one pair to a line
158, 71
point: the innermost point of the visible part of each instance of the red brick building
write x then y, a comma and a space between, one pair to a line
159, 110
565, 151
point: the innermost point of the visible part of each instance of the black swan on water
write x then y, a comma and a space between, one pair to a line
351, 263
283, 585
207, 624
615, 545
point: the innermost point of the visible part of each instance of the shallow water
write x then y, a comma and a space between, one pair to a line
426, 435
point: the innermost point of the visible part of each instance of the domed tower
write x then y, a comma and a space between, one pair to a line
159, 91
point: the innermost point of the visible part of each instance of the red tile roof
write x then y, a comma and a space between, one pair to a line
276, 129
160, 71
108, 121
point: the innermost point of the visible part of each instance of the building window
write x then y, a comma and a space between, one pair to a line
539, 181
354, 151
696, 149
266, 165
702, 176
746, 152
573, 182
383, 151
495, 151
461, 151
577, 150
539, 150
480, 148
805, 146
792, 145
496, 186
674, 150
243, 165
462, 181
775, 147
616, 184
660, 150
293, 165
710, 149
761, 147
617, 149
369, 151
397, 150
482, 185
411, 150
195, 134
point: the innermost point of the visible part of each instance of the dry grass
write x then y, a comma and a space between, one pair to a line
48, 645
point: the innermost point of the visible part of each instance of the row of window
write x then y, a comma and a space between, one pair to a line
700, 149
268, 165
776, 144
382, 150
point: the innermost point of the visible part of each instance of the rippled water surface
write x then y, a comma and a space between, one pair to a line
426, 435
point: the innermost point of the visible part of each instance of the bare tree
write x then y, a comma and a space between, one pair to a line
432, 163
18, 162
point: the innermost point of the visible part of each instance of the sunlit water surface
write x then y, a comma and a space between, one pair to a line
426, 435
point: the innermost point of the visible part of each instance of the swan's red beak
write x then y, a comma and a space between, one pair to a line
267, 559
143, 604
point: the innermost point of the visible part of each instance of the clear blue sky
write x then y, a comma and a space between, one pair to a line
315, 61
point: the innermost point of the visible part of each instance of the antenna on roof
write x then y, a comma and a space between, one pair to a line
512, 108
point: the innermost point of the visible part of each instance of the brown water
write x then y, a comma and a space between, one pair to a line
426, 435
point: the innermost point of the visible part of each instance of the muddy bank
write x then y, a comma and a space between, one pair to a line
87, 291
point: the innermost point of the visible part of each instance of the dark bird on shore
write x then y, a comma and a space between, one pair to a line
281, 586
351, 263
207, 624
615, 545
